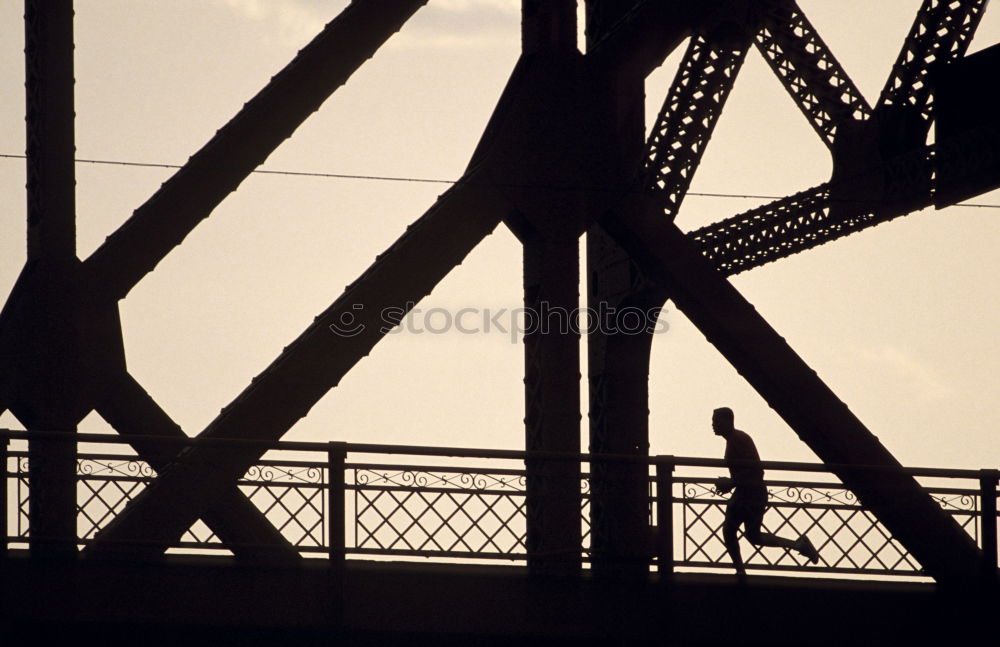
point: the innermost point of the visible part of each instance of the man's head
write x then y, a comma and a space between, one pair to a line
722, 421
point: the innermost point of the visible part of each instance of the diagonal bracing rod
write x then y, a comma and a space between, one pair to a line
796, 393
807, 68
240, 525
244, 143
308, 368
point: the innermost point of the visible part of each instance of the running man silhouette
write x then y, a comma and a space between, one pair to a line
747, 505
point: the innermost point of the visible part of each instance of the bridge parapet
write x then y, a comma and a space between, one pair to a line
366, 501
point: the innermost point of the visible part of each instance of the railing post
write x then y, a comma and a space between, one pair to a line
335, 512
664, 515
988, 480
336, 455
3, 497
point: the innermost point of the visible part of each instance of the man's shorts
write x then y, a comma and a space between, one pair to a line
747, 506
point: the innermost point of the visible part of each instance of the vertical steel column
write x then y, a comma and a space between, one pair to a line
335, 512
665, 515
548, 25
988, 481
552, 404
48, 82
618, 363
551, 338
48, 50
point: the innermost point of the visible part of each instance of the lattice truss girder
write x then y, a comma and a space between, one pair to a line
940, 34
688, 117
808, 70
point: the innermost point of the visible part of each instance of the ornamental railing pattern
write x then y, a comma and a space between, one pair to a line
469, 505
437, 511
291, 494
472, 513
849, 538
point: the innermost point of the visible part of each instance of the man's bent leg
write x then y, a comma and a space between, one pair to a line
758, 538
802, 545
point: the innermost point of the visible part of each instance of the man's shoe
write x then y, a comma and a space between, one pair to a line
806, 548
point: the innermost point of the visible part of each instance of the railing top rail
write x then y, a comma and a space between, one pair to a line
466, 452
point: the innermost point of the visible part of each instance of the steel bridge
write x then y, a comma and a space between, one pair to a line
566, 121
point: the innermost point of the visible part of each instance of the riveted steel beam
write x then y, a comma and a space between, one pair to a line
244, 143
813, 217
688, 117
309, 367
808, 69
619, 520
49, 118
941, 32
637, 40
234, 519
51, 256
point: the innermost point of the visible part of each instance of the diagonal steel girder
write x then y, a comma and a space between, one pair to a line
796, 393
240, 525
309, 367
194, 191
637, 42
942, 31
244, 143
688, 117
808, 69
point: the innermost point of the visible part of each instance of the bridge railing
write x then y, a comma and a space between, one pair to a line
456, 504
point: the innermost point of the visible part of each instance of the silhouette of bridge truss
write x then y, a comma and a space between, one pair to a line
563, 155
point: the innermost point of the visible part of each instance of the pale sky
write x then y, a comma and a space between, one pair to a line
900, 320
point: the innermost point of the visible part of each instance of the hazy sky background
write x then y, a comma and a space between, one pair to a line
900, 321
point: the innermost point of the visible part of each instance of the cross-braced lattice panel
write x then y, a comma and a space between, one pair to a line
105, 485
439, 512
848, 537
292, 496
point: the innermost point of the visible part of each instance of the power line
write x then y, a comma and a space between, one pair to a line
421, 180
